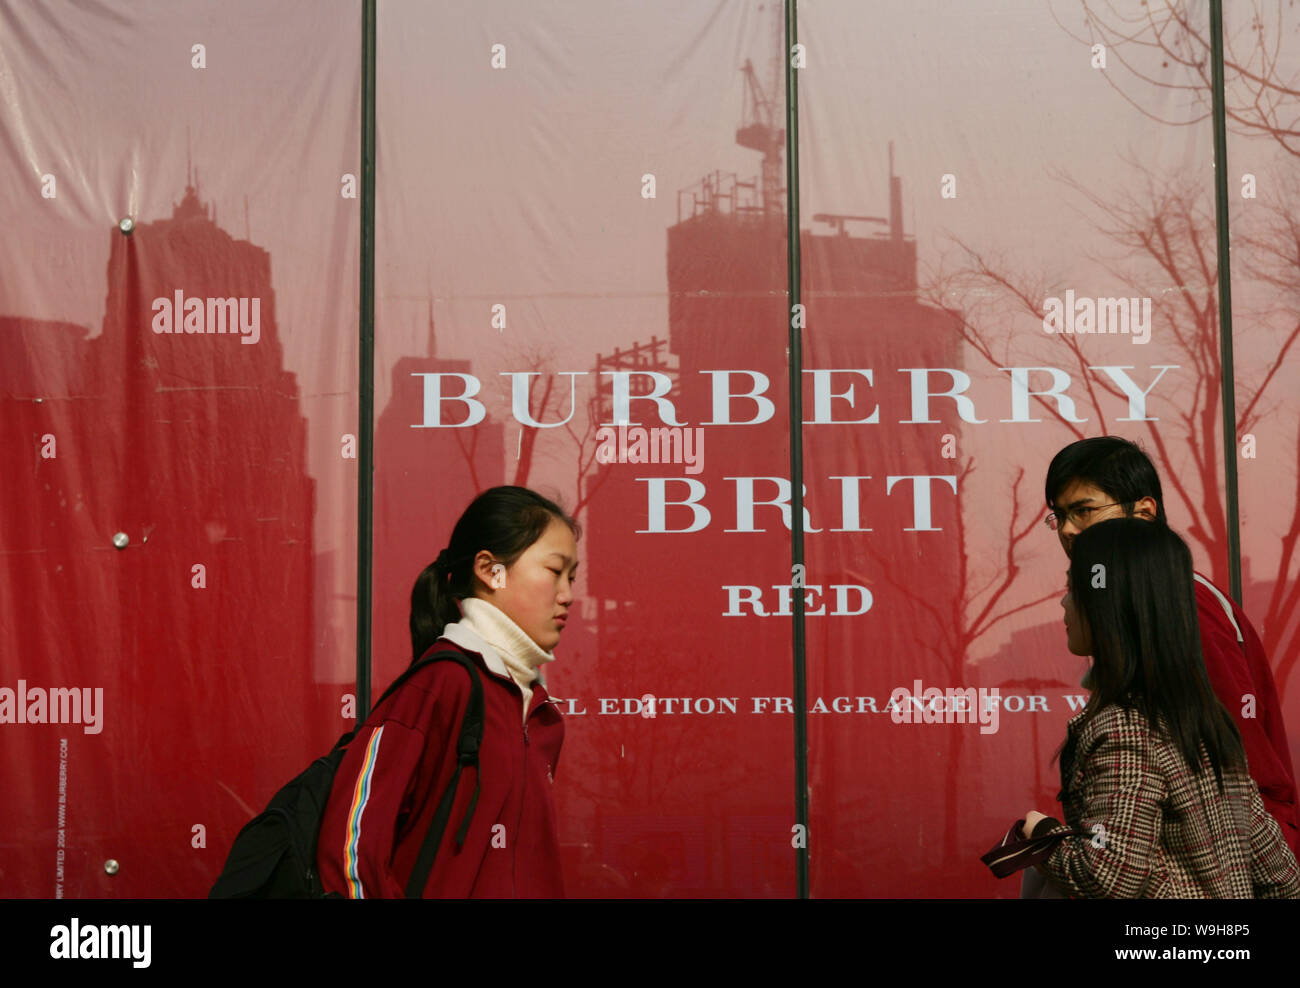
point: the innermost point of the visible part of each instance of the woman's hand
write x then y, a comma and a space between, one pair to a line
1031, 821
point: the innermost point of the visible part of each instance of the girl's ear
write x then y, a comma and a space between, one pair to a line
485, 577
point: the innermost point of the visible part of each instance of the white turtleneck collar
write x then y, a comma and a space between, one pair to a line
505, 647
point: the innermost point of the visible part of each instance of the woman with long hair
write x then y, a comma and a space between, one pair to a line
1157, 797
497, 597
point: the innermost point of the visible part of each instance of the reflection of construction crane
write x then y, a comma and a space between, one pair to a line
758, 118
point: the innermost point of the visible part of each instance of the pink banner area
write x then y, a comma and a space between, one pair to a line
581, 283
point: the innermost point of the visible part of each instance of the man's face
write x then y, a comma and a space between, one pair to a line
1080, 504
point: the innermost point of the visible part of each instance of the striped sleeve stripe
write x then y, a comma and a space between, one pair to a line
352, 836
1227, 608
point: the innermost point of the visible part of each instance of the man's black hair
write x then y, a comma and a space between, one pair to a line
1115, 466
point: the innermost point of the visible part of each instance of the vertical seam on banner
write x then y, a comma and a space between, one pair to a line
366, 333
795, 357
1227, 388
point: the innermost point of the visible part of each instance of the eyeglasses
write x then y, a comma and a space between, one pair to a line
1079, 515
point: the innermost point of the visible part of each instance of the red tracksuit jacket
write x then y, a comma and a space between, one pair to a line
397, 767
1238, 667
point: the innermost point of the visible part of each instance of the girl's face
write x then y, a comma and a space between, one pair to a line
1076, 629
538, 587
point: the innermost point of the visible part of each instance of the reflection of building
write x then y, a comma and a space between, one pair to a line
616, 593
166, 557
424, 479
727, 312
41, 358
211, 425
706, 612
334, 638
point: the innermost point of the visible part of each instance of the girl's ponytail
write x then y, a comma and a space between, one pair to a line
432, 605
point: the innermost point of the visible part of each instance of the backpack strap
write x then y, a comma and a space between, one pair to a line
467, 748
413, 668
347, 737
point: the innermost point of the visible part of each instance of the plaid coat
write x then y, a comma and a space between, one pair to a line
1153, 829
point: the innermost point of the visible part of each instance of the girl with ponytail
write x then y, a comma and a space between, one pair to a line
499, 595
497, 529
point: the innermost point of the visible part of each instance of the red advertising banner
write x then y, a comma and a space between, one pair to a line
582, 287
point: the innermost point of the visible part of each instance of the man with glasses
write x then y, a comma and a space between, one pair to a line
1108, 477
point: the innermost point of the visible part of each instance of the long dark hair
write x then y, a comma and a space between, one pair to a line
503, 520
1131, 581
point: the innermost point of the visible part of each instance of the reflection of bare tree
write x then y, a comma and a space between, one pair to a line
966, 616
1260, 100
1263, 102
1273, 253
1166, 233
469, 451
586, 446
548, 403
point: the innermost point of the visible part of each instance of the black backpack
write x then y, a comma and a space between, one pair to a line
274, 855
